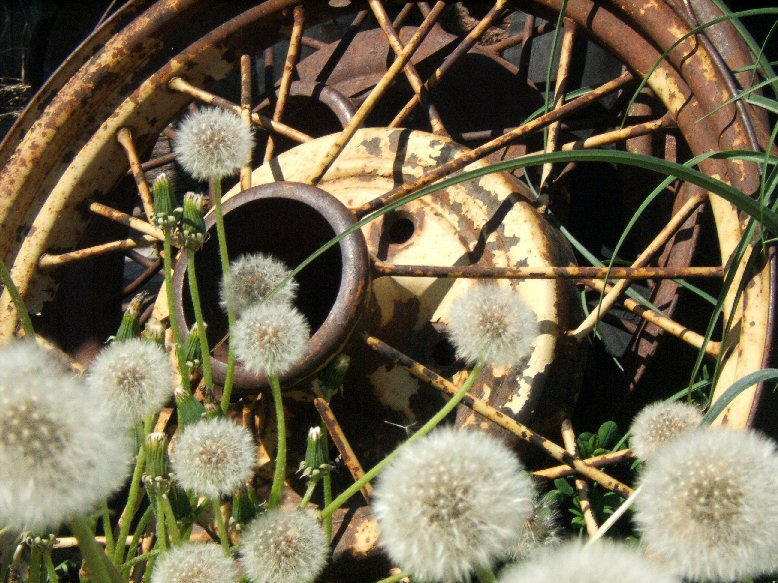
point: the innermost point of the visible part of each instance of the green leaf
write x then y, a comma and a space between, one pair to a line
763, 102
735, 389
607, 433
563, 486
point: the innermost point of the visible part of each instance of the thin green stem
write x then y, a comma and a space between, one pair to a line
109, 541
16, 297
424, 430
36, 563
140, 558
225, 260
485, 575
51, 571
172, 525
277, 491
136, 537
194, 292
308, 492
159, 515
171, 305
327, 488
125, 521
221, 527
100, 569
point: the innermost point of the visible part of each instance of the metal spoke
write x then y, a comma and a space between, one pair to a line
375, 94
144, 277
675, 223
124, 137
340, 441
341, 47
51, 260
667, 324
563, 74
178, 84
383, 268
410, 71
401, 17
466, 158
462, 49
156, 162
245, 113
598, 461
568, 438
286, 77
136, 224
480, 406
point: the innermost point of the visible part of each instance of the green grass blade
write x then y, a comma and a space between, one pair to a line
735, 389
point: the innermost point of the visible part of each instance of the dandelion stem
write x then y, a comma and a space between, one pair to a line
139, 559
109, 542
125, 521
159, 515
100, 569
485, 574
424, 430
308, 493
35, 564
327, 487
21, 309
50, 570
171, 305
136, 537
220, 525
194, 292
172, 525
618, 513
277, 491
225, 259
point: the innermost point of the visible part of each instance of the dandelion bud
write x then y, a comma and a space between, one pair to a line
283, 546
212, 143
135, 376
130, 325
193, 354
193, 224
451, 502
575, 562
492, 324
154, 331
707, 505
190, 410
155, 447
166, 212
658, 423
60, 451
317, 459
270, 338
251, 280
331, 378
195, 563
213, 457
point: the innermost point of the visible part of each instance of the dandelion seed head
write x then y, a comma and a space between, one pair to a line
252, 278
270, 338
60, 451
658, 423
450, 502
195, 563
538, 531
213, 457
283, 546
135, 376
212, 143
706, 505
22, 360
493, 324
573, 562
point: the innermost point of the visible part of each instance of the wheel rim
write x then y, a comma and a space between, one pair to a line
69, 156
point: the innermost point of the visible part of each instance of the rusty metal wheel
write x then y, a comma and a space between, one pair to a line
366, 107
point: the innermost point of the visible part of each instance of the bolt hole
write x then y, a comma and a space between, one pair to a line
443, 353
400, 229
